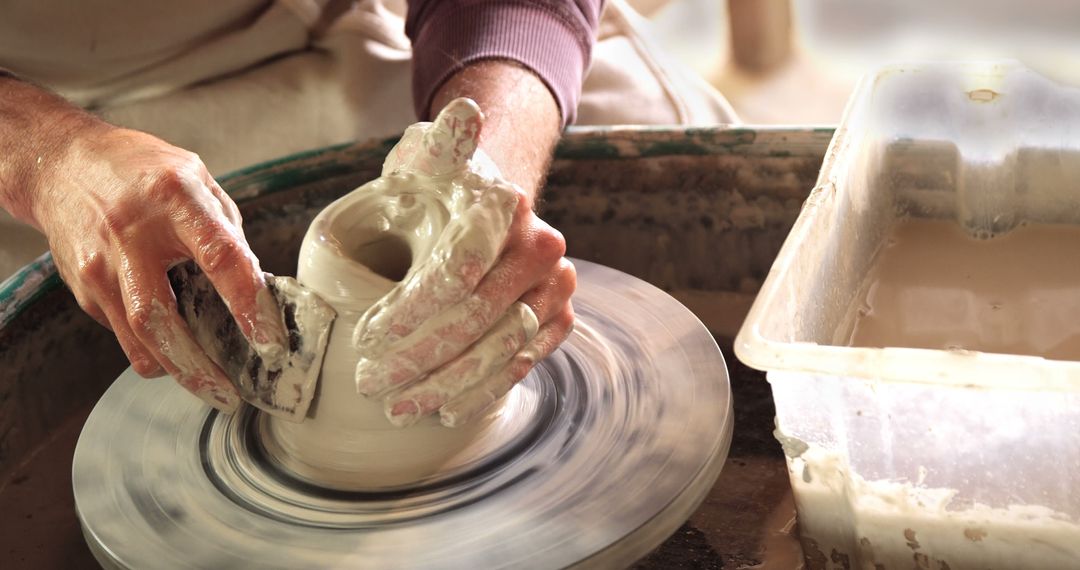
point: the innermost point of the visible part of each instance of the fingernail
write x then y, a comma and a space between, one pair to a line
375, 377
456, 414
150, 369
404, 413
144, 367
368, 381
223, 400
451, 418
470, 404
219, 398
365, 340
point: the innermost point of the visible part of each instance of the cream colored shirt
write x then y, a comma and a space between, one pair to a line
245, 81
98, 53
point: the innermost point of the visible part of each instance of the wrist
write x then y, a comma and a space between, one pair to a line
40, 133
522, 122
71, 151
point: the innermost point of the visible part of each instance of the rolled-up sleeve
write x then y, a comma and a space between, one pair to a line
553, 38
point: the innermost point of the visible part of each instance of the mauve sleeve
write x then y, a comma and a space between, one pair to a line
553, 38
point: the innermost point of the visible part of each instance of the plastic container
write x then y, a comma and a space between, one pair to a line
902, 457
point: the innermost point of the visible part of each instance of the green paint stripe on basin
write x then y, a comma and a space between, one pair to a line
27, 285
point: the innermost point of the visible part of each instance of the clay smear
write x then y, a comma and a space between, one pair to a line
903, 524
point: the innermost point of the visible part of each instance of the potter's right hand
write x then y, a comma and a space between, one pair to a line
119, 208
490, 301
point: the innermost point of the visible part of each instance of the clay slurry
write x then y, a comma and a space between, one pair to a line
934, 286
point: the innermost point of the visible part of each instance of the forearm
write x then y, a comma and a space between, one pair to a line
522, 120
36, 131
523, 61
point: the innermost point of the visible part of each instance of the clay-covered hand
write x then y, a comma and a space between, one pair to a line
122, 207
489, 301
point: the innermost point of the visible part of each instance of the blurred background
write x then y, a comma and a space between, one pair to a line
796, 61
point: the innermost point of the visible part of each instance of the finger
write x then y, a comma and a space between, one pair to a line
550, 298
93, 311
152, 316
452, 138
526, 263
219, 250
464, 253
92, 274
95, 288
442, 147
450, 333
227, 205
142, 360
473, 401
489, 354
401, 156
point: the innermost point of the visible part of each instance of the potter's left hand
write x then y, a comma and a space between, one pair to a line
491, 301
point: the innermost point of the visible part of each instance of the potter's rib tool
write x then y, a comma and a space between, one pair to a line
283, 387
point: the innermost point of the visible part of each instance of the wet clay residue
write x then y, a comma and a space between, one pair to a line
815, 558
974, 534
909, 536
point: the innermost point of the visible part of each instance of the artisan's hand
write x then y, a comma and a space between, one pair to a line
121, 210
119, 207
471, 321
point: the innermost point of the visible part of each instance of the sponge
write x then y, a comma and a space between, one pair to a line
283, 387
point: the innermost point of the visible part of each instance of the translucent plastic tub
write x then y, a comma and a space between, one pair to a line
921, 458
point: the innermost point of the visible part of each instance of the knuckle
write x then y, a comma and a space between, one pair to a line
520, 367
566, 318
549, 244
233, 212
142, 321
93, 268
566, 276
167, 183
219, 251
117, 221
194, 161
175, 181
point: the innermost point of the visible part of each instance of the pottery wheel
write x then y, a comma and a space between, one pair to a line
625, 430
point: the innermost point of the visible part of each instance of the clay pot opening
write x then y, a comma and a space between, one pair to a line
386, 254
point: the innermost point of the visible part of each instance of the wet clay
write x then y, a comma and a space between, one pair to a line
898, 522
934, 286
395, 240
